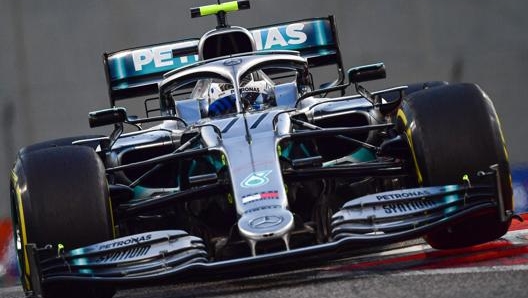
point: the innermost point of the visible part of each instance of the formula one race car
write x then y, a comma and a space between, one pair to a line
240, 162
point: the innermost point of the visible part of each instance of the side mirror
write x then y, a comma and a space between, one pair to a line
106, 117
366, 73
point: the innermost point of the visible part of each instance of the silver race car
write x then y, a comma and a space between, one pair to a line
242, 165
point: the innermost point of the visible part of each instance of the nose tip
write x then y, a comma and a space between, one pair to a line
266, 224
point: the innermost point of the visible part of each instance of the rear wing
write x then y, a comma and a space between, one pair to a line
136, 72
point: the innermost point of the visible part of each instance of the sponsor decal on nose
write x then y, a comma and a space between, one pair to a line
256, 179
268, 195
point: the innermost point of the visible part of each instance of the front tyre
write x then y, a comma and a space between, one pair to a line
453, 131
92, 142
59, 195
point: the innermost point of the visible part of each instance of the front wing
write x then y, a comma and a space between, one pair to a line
366, 222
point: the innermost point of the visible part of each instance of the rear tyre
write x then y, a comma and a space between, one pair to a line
453, 131
60, 196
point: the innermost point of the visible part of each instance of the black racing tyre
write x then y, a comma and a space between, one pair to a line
61, 142
411, 88
60, 196
453, 131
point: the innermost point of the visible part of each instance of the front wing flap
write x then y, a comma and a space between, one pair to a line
136, 255
401, 212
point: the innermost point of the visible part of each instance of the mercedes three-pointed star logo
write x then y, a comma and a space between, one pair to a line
266, 221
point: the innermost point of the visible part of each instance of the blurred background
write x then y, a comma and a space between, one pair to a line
51, 53
51, 72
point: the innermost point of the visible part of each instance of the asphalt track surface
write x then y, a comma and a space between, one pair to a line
496, 269
500, 281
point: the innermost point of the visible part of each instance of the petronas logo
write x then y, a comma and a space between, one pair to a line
256, 179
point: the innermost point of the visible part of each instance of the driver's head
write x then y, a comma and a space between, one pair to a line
255, 95
222, 99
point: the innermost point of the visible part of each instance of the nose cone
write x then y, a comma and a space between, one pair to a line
266, 224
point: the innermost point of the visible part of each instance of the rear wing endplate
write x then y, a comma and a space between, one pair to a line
136, 72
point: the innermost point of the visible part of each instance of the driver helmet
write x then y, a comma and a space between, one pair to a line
255, 95
221, 99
